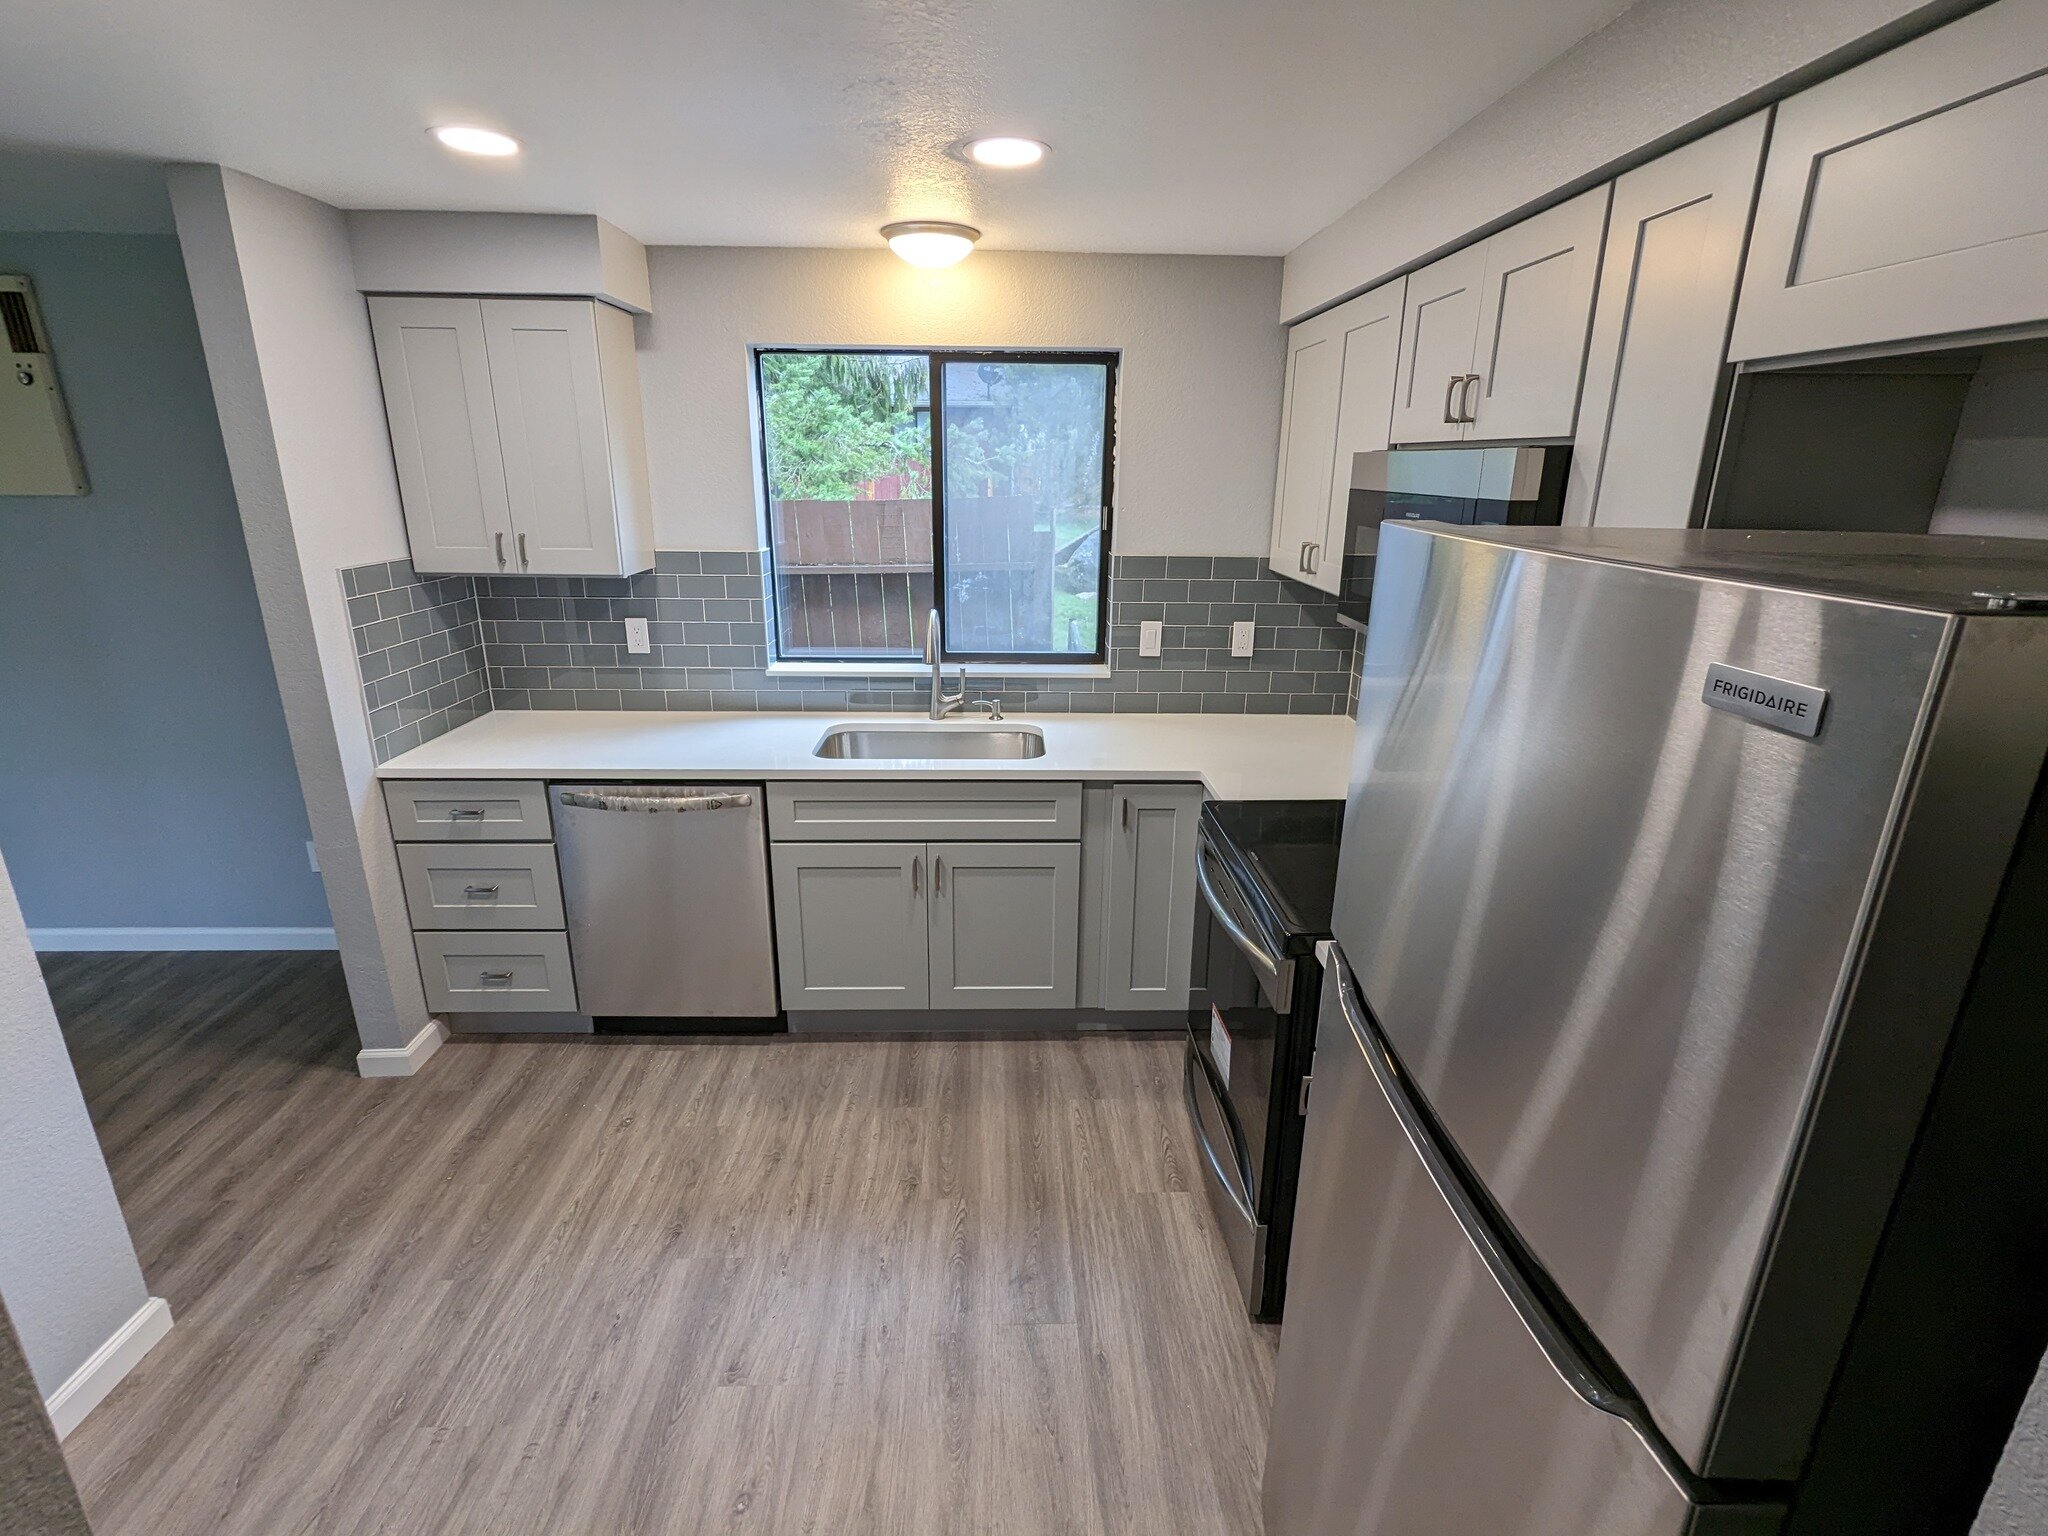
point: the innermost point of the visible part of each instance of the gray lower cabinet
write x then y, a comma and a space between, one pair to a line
468, 810
1149, 911
895, 926
850, 925
485, 885
867, 811
496, 972
1005, 924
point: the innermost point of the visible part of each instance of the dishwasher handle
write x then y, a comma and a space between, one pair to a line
590, 800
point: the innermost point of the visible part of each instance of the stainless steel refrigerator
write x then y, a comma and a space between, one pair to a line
1677, 1145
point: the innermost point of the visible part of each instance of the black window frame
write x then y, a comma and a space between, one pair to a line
936, 359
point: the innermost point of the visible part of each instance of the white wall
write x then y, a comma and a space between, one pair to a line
1199, 414
133, 671
67, 1267
295, 382
1662, 71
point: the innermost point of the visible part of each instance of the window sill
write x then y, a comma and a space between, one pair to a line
920, 669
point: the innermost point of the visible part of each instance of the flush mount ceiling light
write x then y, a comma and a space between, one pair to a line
467, 140
927, 243
1005, 153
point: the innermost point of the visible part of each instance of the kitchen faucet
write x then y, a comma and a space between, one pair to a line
944, 703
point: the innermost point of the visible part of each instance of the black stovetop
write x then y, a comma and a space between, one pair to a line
1288, 848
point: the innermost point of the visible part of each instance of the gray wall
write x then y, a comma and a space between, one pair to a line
1660, 72
145, 778
294, 378
1198, 404
1997, 479
67, 1268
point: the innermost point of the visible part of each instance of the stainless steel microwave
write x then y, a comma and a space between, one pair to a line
1451, 484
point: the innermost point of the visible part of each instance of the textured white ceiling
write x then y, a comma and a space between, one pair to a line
1176, 125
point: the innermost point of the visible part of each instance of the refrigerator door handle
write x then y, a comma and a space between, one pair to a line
1576, 1371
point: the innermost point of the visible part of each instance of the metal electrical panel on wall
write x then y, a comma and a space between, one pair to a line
38, 452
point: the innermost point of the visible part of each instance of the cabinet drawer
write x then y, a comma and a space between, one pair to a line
499, 885
496, 972
952, 812
467, 810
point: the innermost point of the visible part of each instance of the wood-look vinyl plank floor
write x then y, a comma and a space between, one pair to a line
651, 1286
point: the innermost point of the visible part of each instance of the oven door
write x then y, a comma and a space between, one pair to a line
1245, 987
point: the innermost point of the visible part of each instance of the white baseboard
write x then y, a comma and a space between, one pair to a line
89, 1385
403, 1061
53, 939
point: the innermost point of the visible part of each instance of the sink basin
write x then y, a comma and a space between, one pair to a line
1010, 742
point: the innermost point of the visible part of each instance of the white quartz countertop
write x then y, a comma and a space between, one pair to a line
1238, 757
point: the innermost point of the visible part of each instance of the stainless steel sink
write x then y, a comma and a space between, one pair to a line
915, 742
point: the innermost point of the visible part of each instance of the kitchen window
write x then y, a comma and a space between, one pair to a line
902, 480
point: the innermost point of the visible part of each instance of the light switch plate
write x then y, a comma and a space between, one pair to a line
636, 637
1241, 638
1150, 636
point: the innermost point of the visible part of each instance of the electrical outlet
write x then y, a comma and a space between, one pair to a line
1151, 634
1241, 638
636, 637
312, 856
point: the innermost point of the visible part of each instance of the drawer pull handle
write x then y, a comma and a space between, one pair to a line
479, 890
467, 813
494, 976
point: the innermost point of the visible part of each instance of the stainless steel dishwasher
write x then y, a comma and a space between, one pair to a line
666, 891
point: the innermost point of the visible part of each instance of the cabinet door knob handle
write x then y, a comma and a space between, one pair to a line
1450, 392
938, 875
500, 540
1124, 808
916, 877
524, 562
494, 976
467, 813
1466, 402
479, 890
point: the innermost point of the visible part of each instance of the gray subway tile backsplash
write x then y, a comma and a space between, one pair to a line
419, 651
527, 642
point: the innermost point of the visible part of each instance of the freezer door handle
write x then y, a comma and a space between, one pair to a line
1558, 1348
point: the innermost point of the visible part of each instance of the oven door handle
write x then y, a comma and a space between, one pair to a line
1224, 1172
1267, 962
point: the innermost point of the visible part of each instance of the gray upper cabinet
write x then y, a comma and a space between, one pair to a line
517, 435
1907, 198
1493, 343
1656, 370
1308, 443
1340, 388
444, 432
850, 925
1534, 314
1150, 910
1440, 320
1004, 927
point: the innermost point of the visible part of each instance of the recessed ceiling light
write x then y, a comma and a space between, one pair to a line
927, 243
466, 140
1006, 153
